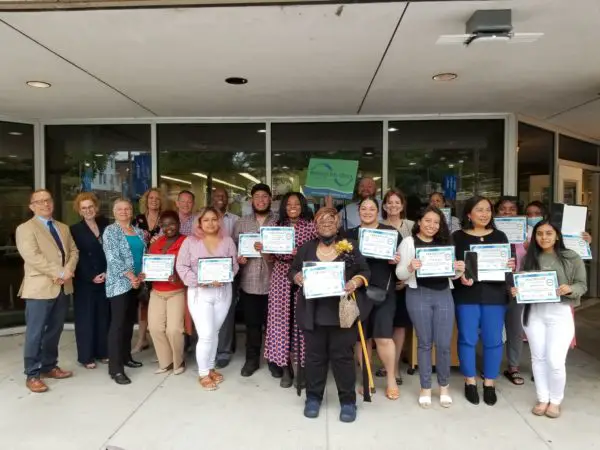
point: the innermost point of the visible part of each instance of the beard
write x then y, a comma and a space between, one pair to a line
265, 210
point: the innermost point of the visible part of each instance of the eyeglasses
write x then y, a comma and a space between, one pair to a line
44, 201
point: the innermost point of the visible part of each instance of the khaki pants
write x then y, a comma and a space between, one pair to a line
165, 323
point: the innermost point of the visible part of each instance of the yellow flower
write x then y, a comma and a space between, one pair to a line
343, 247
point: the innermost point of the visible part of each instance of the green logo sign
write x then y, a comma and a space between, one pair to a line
335, 177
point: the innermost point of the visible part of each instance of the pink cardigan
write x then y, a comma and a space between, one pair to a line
193, 249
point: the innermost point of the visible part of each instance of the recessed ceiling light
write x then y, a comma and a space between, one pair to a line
87, 164
236, 80
38, 84
285, 167
277, 154
450, 166
412, 163
447, 76
391, 130
15, 133
368, 153
460, 161
99, 154
12, 156
262, 131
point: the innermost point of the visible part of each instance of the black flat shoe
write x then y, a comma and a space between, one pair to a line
471, 393
276, 371
121, 378
287, 380
133, 364
489, 395
249, 368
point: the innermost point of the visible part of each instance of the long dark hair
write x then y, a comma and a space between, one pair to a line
468, 209
305, 212
532, 258
442, 237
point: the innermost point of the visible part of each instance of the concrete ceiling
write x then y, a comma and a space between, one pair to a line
375, 58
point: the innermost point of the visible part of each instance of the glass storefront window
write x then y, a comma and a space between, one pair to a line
294, 144
459, 158
536, 165
16, 185
109, 160
579, 151
203, 157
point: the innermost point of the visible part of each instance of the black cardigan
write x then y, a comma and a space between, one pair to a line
325, 311
92, 260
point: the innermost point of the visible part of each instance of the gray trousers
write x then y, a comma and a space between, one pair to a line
514, 333
226, 346
45, 320
432, 314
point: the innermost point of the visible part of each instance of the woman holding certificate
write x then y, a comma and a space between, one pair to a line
319, 317
427, 264
379, 244
548, 322
124, 249
480, 295
166, 310
283, 336
207, 265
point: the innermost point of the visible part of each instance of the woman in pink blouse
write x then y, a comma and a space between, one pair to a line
208, 303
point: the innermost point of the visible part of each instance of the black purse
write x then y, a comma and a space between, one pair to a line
376, 294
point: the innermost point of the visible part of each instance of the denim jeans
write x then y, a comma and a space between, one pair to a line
45, 320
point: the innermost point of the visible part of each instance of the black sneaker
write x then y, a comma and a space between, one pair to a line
471, 393
489, 395
250, 366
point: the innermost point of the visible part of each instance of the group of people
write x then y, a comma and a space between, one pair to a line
103, 265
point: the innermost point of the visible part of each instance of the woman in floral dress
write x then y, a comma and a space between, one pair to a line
283, 337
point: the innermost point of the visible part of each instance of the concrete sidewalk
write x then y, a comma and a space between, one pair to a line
162, 412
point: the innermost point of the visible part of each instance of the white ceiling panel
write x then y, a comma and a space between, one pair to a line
584, 119
73, 93
298, 59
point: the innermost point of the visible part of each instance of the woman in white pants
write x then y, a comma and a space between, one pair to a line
549, 326
208, 303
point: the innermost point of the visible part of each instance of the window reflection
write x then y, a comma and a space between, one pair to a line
202, 157
536, 162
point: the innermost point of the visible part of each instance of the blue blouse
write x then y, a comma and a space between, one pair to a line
119, 259
136, 245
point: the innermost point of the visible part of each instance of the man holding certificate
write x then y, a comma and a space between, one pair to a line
167, 299
207, 266
547, 317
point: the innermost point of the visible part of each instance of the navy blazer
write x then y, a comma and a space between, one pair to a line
92, 260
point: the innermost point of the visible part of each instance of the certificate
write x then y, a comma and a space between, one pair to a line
215, 269
378, 244
515, 228
576, 243
323, 279
536, 287
246, 243
435, 261
277, 240
448, 215
492, 261
158, 267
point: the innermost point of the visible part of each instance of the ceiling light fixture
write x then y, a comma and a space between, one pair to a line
460, 161
249, 177
178, 180
15, 133
391, 130
262, 131
99, 155
285, 167
446, 76
216, 180
38, 84
412, 163
277, 154
450, 166
368, 153
236, 80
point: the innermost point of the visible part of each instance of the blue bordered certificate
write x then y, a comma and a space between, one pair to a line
515, 228
277, 240
435, 261
492, 261
215, 270
158, 267
536, 287
246, 243
378, 244
576, 243
323, 279
448, 215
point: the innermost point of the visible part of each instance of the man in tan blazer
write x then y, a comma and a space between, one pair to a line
50, 257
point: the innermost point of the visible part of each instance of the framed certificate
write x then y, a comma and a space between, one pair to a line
246, 243
448, 216
576, 243
515, 228
277, 240
436, 261
215, 269
158, 267
378, 244
323, 279
492, 261
536, 287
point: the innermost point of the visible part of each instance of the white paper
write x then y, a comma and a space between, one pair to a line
215, 269
246, 243
323, 279
158, 267
536, 287
492, 260
448, 215
515, 228
277, 240
378, 244
574, 218
576, 243
436, 261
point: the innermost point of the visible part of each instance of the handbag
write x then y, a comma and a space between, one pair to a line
376, 294
349, 311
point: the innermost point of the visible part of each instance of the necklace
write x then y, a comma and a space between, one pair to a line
325, 254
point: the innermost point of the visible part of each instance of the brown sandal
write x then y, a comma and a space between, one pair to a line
216, 376
207, 383
392, 393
